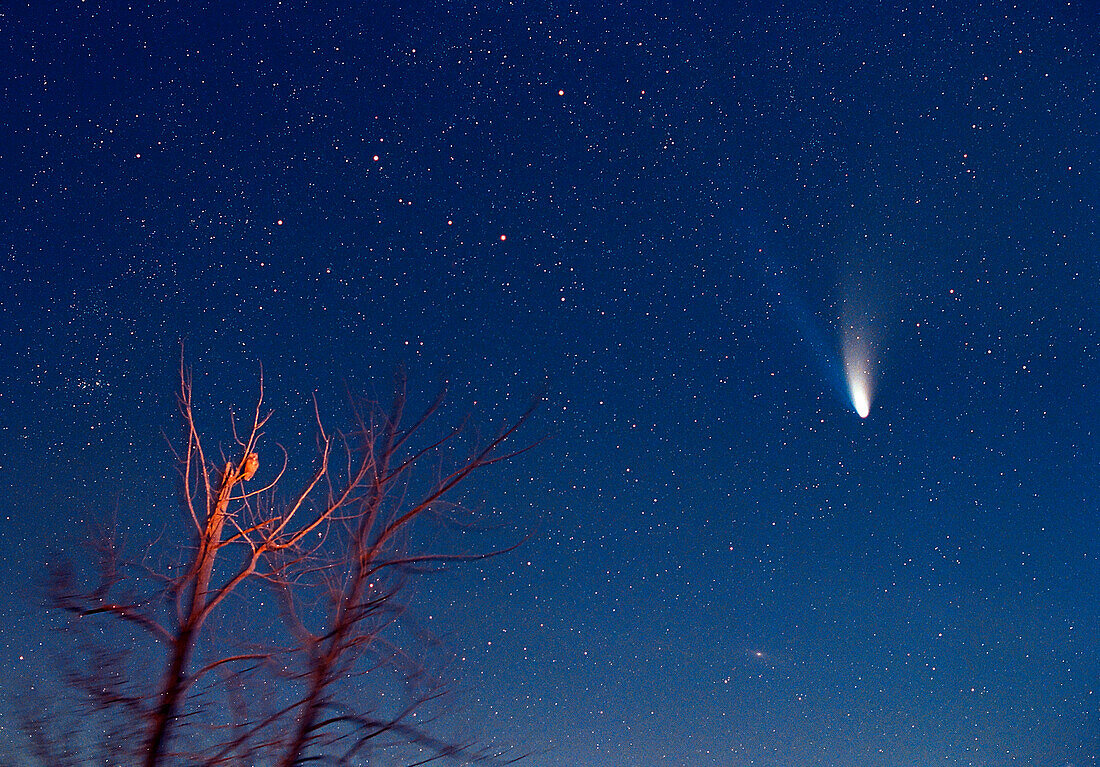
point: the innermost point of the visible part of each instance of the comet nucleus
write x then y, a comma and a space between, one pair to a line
860, 400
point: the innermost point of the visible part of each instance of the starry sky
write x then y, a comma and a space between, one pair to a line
674, 220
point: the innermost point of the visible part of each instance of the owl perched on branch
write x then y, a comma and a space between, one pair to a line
248, 468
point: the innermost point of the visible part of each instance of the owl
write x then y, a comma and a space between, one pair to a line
248, 469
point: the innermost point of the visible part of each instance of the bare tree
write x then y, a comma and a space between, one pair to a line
330, 565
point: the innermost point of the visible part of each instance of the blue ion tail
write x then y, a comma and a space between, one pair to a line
809, 327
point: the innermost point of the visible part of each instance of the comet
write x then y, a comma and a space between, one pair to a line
860, 400
856, 333
858, 370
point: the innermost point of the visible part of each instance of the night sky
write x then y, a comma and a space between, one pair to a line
674, 222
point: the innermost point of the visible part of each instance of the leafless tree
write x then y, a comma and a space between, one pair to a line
343, 676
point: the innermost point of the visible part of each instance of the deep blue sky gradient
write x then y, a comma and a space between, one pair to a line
603, 203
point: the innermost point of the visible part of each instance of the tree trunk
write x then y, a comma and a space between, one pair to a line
312, 704
171, 692
172, 688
